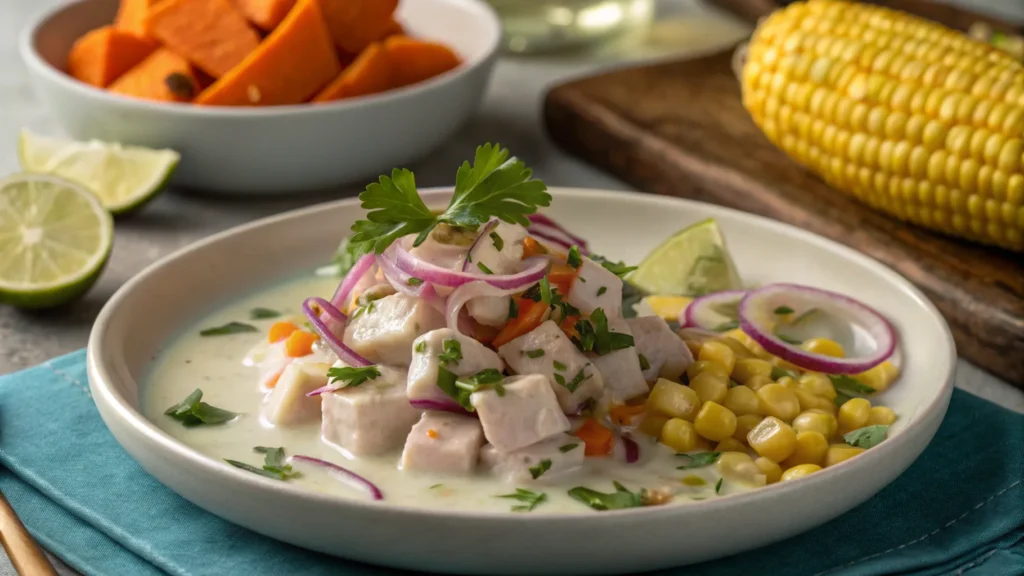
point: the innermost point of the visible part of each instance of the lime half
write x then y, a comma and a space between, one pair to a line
55, 237
123, 177
693, 262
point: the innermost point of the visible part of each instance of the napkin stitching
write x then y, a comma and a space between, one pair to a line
929, 535
69, 380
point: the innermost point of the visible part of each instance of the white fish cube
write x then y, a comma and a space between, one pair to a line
559, 360
287, 403
384, 331
665, 352
565, 454
368, 419
423, 370
443, 442
620, 369
526, 413
493, 310
595, 287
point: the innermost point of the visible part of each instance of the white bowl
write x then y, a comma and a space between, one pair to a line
132, 327
283, 148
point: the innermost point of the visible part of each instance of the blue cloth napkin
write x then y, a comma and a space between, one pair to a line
958, 510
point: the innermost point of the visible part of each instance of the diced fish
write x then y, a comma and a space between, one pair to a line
665, 352
595, 287
423, 370
527, 412
287, 403
559, 360
370, 419
493, 310
443, 442
620, 369
564, 452
383, 332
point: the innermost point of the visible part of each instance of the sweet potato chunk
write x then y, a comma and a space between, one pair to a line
131, 15
289, 67
266, 14
103, 55
212, 34
368, 74
355, 24
417, 60
394, 28
162, 76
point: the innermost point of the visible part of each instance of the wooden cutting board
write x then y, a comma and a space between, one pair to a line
679, 129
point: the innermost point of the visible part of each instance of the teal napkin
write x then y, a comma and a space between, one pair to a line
958, 510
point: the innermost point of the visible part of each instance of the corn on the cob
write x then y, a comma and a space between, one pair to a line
912, 118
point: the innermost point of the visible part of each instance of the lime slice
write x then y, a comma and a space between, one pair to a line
693, 262
123, 177
55, 238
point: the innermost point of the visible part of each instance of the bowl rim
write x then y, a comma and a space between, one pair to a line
33, 60
102, 373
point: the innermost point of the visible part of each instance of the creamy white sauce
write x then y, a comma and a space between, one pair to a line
215, 364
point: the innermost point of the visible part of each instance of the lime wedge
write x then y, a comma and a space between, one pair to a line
123, 177
55, 237
693, 262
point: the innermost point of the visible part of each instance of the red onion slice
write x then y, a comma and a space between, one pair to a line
467, 264
704, 312
463, 294
758, 318
543, 234
399, 280
344, 290
312, 308
632, 449
345, 475
546, 221
535, 269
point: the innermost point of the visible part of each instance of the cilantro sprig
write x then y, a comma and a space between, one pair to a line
460, 389
496, 185
529, 499
352, 377
192, 411
273, 464
621, 498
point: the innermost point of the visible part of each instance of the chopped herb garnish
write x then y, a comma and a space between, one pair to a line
435, 486
460, 389
573, 384
617, 268
718, 486
726, 326
483, 268
421, 347
782, 310
868, 436
273, 464
841, 399
585, 335
494, 186
606, 341
342, 261
631, 296
414, 281
229, 328
529, 498
534, 353
263, 313
253, 469
452, 352
698, 460
574, 259
778, 373
560, 380
849, 385
546, 294
567, 447
602, 290
447, 382
558, 365
192, 411
644, 364
497, 241
352, 377
513, 310
370, 307
539, 470
621, 498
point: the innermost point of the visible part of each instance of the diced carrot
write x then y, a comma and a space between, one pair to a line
432, 434
368, 74
623, 413
281, 330
355, 24
266, 14
562, 276
597, 440
568, 326
394, 29
212, 34
273, 379
131, 16
300, 343
417, 60
529, 315
533, 248
104, 54
162, 76
289, 67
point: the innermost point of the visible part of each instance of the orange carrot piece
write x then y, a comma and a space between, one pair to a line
568, 326
212, 34
281, 330
562, 277
131, 16
104, 54
273, 380
622, 414
597, 440
300, 343
432, 434
368, 74
289, 67
417, 60
267, 14
394, 29
355, 24
533, 248
162, 76
529, 315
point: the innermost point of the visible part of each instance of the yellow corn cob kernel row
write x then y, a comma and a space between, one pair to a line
912, 118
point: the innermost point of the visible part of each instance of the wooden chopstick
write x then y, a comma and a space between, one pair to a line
26, 556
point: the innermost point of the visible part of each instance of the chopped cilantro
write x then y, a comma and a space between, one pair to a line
782, 310
539, 470
718, 486
567, 447
574, 259
534, 353
452, 352
868, 436
513, 310
352, 377
497, 241
644, 364
421, 347
849, 385
617, 268
483, 268
414, 281
621, 498
192, 411
260, 313
602, 290
529, 498
698, 460
229, 328
273, 464
558, 365
606, 341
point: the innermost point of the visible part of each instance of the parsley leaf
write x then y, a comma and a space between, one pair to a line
483, 268
841, 399
606, 341
783, 310
558, 365
539, 470
229, 328
573, 384
460, 389
617, 268
263, 313
534, 353
621, 498
513, 310
420, 347
352, 377
546, 294
447, 382
413, 281
718, 486
644, 363
567, 447
497, 241
495, 186
343, 260
698, 460
273, 464
192, 411
529, 498
602, 290
452, 352
868, 436
574, 259
782, 373
849, 385
394, 209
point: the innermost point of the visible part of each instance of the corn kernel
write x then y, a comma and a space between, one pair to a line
800, 471
693, 480
818, 384
809, 401
742, 400
755, 383
731, 445
715, 422
787, 382
718, 353
679, 435
744, 424
837, 453
773, 439
710, 387
739, 467
853, 414
810, 449
750, 367
881, 415
673, 400
784, 364
779, 401
879, 377
742, 337
825, 347
652, 424
668, 307
693, 346
816, 421
772, 471
699, 366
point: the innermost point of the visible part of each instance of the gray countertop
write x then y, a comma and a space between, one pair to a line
511, 114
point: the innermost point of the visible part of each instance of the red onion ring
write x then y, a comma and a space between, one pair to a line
440, 405
757, 317
543, 220
463, 294
344, 290
632, 449
413, 266
399, 280
701, 314
483, 234
539, 232
345, 475
346, 354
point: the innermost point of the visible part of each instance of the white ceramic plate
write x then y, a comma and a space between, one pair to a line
160, 301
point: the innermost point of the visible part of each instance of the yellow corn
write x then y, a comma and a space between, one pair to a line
742, 400
674, 400
772, 471
912, 118
715, 422
787, 382
773, 439
818, 384
699, 366
779, 401
668, 307
800, 471
837, 453
853, 414
816, 421
740, 467
710, 386
653, 423
679, 435
731, 445
757, 382
810, 449
881, 415
747, 368
742, 337
825, 347
744, 424
880, 376
718, 353
809, 401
